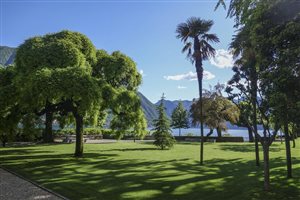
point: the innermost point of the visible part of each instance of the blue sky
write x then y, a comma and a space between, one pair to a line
144, 30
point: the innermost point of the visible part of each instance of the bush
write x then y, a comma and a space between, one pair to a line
189, 134
86, 131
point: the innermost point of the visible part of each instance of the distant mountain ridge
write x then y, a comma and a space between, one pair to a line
171, 105
7, 55
149, 109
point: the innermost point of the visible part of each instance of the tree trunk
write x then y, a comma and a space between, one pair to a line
179, 131
219, 131
287, 149
199, 70
254, 117
4, 143
48, 135
211, 131
293, 139
266, 165
200, 76
256, 151
79, 135
250, 133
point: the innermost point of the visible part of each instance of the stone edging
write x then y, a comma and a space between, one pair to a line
34, 183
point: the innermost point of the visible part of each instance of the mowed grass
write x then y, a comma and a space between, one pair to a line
127, 170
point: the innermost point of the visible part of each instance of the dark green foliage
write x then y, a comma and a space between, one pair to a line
31, 128
162, 132
267, 45
10, 113
180, 117
86, 131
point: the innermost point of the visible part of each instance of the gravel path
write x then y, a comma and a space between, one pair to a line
14, 188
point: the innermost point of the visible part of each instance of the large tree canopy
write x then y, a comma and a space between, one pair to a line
64, 73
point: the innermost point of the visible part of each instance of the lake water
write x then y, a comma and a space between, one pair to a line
196, 132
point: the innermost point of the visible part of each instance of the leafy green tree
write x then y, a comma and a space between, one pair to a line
272, 33
77, 92
247, 66
194, 34
117, 69
216, 110
180, 117
162, 132
60, 50
120, 72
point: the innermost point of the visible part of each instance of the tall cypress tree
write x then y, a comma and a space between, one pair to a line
162, 132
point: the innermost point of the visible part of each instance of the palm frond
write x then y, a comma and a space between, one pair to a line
210, 37
186, 47
183, 31
207, 50
198, 26
220, 2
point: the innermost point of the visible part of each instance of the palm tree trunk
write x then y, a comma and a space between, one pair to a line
200, 77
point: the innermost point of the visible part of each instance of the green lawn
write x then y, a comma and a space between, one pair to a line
140, 171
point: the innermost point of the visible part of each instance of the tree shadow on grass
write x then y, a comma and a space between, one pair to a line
247, 147
105, 176
131, 149
30, 144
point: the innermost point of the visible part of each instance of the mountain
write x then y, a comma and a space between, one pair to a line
7, 55
149, 109
171, 105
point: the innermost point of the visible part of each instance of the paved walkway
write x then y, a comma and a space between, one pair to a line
13, 187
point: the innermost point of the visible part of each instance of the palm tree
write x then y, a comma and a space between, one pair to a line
194, 34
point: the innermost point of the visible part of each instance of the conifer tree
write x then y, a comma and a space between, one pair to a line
162, 131
180, 118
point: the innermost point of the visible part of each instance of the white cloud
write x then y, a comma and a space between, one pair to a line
181, 87
191, 76
142, 73
223, 59
208, 75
